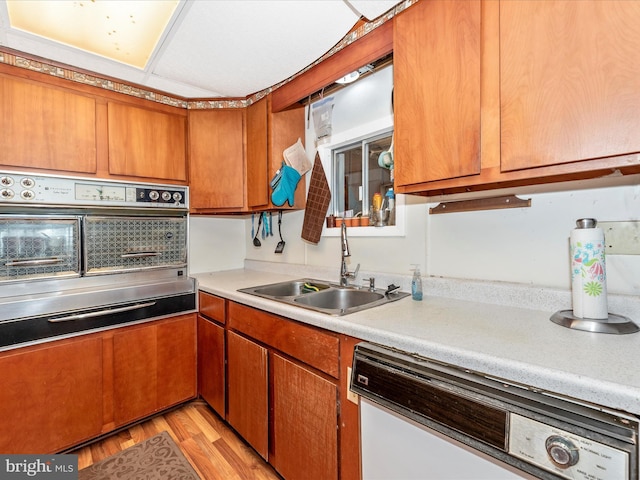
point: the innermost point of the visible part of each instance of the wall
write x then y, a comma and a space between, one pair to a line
531, 245
214, 243
525, 245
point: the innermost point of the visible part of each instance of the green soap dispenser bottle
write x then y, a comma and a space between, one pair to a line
416, 284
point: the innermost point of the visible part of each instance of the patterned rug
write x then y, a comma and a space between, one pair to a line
157, 458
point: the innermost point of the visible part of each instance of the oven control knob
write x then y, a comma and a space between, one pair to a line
27, 195
6, 181
166, 196
562, 452
153, 195
6, 193
177, 196
28, 182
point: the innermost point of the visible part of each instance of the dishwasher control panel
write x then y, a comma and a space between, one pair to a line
563, 453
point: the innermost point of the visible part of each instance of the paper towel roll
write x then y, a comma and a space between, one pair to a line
588, 273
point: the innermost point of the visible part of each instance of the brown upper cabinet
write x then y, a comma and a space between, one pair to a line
216, 166
51, 124
47, 127
553, 97
569, 81
147, 143
437, 91
234, 153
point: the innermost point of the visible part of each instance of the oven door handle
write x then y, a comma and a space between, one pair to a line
35, 261
140, 254
107, 311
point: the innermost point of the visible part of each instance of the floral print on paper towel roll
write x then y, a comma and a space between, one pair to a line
588, 262
588, 273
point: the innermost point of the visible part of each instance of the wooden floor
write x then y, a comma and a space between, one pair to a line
212, 448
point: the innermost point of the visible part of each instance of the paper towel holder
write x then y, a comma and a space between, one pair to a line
614, 324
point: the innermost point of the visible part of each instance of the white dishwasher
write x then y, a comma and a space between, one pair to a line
424, 420
397, 448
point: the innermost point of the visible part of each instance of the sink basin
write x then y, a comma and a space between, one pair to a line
339, 298
290, 289
322, 296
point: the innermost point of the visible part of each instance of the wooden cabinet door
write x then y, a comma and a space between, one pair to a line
51, 396
216, 162
211, 377
257, 183
305, 423
146, 143
45, 127
154, 367
437, 91
247, 390
177, 357
569, 81
135, 373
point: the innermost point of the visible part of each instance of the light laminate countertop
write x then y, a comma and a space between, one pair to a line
518, 345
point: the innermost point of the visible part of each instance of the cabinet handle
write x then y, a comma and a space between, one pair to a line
99, 313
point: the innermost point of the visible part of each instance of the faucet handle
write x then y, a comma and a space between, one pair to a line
372, 283
355, 272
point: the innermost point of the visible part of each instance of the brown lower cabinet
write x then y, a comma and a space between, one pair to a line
211, 362
304, 416
248, 391
286, 391
51, 395
65, 392
154, 367
211, 351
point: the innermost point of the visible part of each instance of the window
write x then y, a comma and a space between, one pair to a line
357, 176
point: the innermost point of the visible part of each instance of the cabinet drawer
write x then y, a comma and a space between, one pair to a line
211, 306
310, 345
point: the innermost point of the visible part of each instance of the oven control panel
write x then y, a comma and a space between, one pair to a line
563, 453
21, 188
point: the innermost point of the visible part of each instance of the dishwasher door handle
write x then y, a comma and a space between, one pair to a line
99, 313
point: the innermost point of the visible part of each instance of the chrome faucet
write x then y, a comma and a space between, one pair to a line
345, 274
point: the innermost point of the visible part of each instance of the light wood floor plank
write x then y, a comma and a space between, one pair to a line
249, 467
202, 424
137, 433
162, 425
84, 458
246, 453
178, 427
205, 465
213, 455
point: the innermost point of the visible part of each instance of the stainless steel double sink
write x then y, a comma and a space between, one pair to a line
324, 297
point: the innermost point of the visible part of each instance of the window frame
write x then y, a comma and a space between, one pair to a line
350, 138
337, 177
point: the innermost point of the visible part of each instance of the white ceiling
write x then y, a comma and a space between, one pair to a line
220, 48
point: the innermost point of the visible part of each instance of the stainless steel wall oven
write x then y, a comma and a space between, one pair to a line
83, 254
